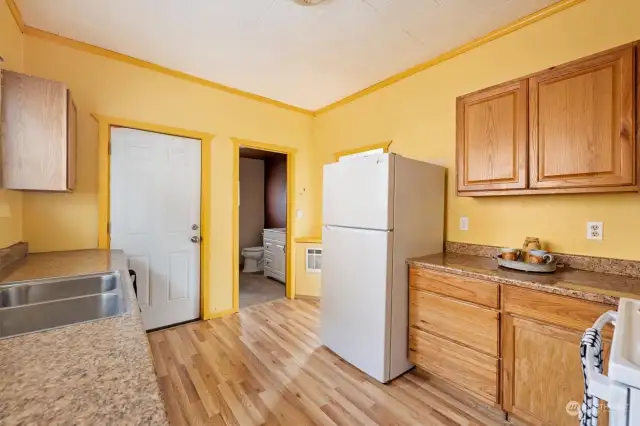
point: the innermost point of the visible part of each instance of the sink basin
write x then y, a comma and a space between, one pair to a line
47, 290
27, 307
36, 317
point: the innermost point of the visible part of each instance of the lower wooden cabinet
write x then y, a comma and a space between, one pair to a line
522, 357
467, 369
542, 372
465, 323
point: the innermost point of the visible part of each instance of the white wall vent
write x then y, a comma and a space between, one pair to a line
314, 260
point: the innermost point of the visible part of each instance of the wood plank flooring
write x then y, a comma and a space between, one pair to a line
266, 365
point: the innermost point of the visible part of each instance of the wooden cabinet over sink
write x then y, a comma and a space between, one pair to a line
39, 132
568, 129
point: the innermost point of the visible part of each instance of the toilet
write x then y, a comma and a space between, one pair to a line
253, 259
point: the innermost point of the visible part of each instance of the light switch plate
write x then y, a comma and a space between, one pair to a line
464, 223
595, 230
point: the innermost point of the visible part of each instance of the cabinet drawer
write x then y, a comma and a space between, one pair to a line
559, 310
477, 291
274, 235
269, 263
269, 246
464, 367
462, 322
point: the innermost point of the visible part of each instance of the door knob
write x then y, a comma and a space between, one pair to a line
194, 227
195, 239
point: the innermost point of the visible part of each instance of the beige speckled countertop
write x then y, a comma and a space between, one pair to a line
99, 372
594, 286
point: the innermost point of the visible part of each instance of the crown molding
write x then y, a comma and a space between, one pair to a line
500, 32
17, 16
89, 48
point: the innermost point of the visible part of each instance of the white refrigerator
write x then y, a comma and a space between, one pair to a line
378, 211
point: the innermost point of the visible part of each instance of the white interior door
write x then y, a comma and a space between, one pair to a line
358, 192
355, 304
155, 204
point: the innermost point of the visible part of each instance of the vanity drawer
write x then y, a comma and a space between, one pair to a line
462, 322
469, 289
269, 246
270, 234
555, 309
464, 367
268, 262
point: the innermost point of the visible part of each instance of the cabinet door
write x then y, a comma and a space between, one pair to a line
72, 141
34, 133
279, 257
542, 372
492, 138
582, 123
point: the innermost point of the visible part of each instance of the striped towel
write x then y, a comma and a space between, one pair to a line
589, 409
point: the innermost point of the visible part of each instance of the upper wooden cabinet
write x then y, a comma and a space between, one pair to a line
492, 138
568, 129
582, 125
39, 132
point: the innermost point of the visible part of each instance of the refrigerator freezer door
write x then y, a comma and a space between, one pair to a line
359, 193
355, 303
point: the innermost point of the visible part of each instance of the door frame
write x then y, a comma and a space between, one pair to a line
105, 124
289, 264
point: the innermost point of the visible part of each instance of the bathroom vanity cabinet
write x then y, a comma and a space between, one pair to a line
275, 253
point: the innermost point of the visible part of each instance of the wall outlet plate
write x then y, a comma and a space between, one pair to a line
464, 223
595, 230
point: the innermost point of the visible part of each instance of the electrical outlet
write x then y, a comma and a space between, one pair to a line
595, 230
464, 223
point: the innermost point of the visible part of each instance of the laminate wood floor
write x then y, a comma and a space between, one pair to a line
266, 365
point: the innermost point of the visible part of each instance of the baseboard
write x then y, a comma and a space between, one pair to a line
307, 297
219, 314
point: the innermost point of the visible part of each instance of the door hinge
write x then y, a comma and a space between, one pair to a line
109, 228
109, 148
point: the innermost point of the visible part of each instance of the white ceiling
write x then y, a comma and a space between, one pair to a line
307, 56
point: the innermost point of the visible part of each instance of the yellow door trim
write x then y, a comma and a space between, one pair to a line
383, 145
291, 157
104, 166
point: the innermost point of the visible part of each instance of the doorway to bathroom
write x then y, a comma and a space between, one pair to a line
262, 225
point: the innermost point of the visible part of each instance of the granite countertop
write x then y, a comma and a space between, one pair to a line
99, 372
587, 285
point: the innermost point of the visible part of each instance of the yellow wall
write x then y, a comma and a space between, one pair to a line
418, 114
112, 88
11, 46
307, 284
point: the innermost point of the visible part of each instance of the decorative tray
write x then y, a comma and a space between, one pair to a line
528, 267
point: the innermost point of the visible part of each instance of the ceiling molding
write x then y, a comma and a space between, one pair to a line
500, 32
17, 16
45, 35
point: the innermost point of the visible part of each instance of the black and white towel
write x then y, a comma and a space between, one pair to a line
589, 408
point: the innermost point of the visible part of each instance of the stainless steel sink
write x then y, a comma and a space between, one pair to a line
56, 289
27, 307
